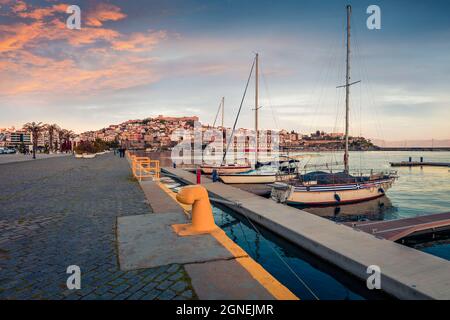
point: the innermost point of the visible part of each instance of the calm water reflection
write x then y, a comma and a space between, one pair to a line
418, 191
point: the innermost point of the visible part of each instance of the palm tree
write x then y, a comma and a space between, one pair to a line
35, 129
62, 133
52, 128
69, 135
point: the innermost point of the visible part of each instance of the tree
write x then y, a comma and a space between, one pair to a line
35, 129
51, 129
70, 136
66, 137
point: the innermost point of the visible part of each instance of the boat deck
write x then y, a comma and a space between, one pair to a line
395, 230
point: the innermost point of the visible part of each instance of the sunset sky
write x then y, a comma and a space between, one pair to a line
136, 59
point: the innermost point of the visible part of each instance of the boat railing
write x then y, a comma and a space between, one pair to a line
354, 176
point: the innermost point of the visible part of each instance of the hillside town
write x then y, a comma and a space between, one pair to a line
158, 134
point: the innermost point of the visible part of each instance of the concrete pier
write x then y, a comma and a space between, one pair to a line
406, 273
217, 267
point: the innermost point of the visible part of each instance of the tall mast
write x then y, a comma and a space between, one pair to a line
223, 110
256, 107
347, 90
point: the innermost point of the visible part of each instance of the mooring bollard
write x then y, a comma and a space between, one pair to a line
199, 176
202, 217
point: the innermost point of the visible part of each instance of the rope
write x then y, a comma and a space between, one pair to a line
217, 114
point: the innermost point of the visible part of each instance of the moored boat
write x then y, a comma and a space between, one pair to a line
281, 169
322, 188
255, 177
226, 169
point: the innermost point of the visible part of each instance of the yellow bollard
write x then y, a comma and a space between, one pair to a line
202, 217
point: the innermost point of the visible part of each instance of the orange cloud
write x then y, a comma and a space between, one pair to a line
15, 37
103, 12
138, 42
39, 13
43, 56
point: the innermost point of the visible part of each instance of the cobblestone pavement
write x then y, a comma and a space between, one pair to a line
62, 211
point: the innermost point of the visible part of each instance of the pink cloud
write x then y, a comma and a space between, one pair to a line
138, 42
103, 12
93, 59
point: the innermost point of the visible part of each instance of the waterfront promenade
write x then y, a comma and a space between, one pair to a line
62, 211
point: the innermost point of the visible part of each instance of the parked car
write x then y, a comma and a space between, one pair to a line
7, 150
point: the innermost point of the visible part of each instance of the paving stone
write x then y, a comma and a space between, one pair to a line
164, 285
120, 289
173, 268
179, 286
188, 294
167, 295
62, 211
176, 276
137, 295
151, 295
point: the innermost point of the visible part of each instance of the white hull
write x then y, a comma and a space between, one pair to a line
330, 195
255, 178
226, 169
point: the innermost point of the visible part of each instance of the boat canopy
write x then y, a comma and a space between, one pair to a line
332, 178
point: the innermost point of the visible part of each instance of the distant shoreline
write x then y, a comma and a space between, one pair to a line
414, 149
441, 149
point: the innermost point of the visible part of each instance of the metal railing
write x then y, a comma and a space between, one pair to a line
144, 167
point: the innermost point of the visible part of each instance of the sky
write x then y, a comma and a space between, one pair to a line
138, 59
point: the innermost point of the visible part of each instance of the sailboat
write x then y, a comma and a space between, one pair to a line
224, 168
323, 188
262, 173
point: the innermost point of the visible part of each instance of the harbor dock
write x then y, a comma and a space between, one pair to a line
216, 266
421, 163
396, 230
406, 273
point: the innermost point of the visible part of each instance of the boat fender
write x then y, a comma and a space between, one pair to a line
381, 190
337, 211
215, 176
336, 196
